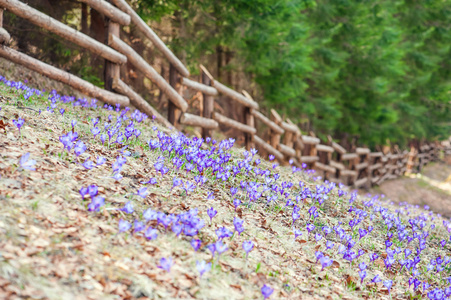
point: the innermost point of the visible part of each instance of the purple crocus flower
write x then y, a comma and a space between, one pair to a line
176, 182
211, 212
88, 164
73, 123
266, 291
83, 192
100, 160
139, 226
376, 279
238, 224
19, 123
79, 148
143, 192
124, 225
247, 247
318, 237
325, 262
220, 247
196, 244
62, 110
329, 245
362, 233
203, 267
26, 163
166, 264
362, 275
297, 233
128, 208
236, 203
96, 203
388, 284
95, 131
151, 233
310, 227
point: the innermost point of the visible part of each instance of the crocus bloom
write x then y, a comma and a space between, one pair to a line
220, 247
128, 208
388, 284
362, 275
100, 160
236, 203
203, 267
150, 233
297, 233
247, 247
376, 279
19, 123
79, 148
211, 213
124, 225
142, 192
266, 291
27, 163
88, 164
238, 224
196, 244
139, 226
166, 264
325, 262
96, 203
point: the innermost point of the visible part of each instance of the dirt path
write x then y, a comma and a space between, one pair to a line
432, 187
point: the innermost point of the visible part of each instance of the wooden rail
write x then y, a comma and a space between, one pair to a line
42, 20
62, 76
284, 140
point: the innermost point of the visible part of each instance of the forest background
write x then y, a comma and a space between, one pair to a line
375, 72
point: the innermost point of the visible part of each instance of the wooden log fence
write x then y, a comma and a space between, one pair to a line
360, 169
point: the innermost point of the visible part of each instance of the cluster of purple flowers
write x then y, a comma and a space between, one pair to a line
406, 231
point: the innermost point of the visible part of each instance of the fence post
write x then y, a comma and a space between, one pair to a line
112, 70
1, 17
208, 100
173, 112
274, 136
249, 119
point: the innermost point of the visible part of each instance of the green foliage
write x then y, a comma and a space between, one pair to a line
371, 69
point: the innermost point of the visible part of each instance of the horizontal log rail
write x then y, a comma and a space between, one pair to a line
272, 125
110, 11
290, 127
137, 101
337, 165
348, 173
309, 159
77, 83
139, 63
234, 124
324, 167
287, 151
234, 95
362, 151
205, 89
360, 182
42, 20
309, 140
349, 156
151, 35
268, 148
324, 148
193, 120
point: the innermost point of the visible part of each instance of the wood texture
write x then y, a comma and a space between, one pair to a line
4, 36
324, 148
287, 151
137, 101
234, 124
59, 75
272, 125
310, 140
193, 120
234, 95
151, 35
109, 11
205, 89
42, 20
208, 101
268, 148
139, 63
